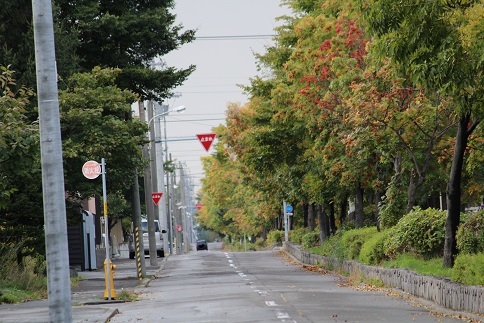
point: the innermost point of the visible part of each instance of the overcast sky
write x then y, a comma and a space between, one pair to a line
221, 65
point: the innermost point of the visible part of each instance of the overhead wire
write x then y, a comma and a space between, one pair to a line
234, 37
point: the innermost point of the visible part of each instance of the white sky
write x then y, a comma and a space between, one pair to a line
221, 65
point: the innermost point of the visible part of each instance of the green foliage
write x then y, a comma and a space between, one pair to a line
95, 124
20, 281
17, 39
259, 244
275, 236
127, 296
392, 207
470, 235
469, 269
310, 239
332, 247
18, 137
116, 34
420, 232
296, 235
430, 267
372, 251
352, 241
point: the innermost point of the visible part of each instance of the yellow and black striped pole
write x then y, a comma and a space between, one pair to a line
138, 252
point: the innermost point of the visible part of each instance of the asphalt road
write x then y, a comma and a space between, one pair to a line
218, 286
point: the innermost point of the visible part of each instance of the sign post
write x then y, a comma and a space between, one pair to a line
286, 224
91, 170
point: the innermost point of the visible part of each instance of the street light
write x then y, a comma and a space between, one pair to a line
181, 108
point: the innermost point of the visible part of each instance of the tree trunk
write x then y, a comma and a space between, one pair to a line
378, 196
305, 211
311, 217
454, 190
412, 191
359, 214
323, 223
332, 221
343, 206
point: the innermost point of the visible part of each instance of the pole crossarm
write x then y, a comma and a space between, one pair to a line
176, 139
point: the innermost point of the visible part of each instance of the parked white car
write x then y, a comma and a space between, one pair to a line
146, 244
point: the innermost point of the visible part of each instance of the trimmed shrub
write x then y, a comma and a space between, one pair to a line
310, 239
420, 232
333, 247
372, 251
470, 235
296, 235
353, 240
275, 236
469, 269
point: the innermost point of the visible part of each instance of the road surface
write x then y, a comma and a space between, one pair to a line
219, 286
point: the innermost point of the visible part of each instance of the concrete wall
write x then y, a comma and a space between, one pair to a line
441, 291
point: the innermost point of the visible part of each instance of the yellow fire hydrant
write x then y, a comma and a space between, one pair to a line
109, 279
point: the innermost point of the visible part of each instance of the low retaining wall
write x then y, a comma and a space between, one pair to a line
441, 291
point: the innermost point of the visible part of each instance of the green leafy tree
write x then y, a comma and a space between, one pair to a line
437, 44
20, 178
128, 35
17, 43
96, 123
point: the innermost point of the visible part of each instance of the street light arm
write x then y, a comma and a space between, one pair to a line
179, 109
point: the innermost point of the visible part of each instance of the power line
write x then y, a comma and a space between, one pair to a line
234, 37
188, 120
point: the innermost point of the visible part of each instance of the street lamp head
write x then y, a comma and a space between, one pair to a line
180, 108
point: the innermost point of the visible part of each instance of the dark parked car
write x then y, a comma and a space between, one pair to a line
202, 245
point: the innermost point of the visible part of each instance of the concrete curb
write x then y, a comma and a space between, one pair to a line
432, 306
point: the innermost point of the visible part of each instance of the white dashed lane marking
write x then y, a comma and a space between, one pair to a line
271, 303
281, 315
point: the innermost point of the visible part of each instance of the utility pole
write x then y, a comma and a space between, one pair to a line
160, 174
148, 202
183, 206
57, 255
176, 214
154, 186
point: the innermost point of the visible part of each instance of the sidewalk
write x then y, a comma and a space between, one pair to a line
88, 304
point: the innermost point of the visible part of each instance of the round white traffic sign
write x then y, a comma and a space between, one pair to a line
91, 169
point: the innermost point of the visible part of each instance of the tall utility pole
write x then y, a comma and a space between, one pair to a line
154, 186
184, 207
159, 111
57, 255
148, 203
176, 213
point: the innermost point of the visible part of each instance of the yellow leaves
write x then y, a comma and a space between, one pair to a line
471, 23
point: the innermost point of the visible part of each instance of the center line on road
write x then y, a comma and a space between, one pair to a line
271, 303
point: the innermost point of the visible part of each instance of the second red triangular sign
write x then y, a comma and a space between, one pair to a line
206, 139
156, 197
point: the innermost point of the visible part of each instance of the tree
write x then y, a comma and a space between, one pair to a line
17, 39
20, 177
406, 122
96, 123
128, 35
437, 44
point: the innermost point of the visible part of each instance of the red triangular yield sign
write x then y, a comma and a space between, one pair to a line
206, 139
156, 197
